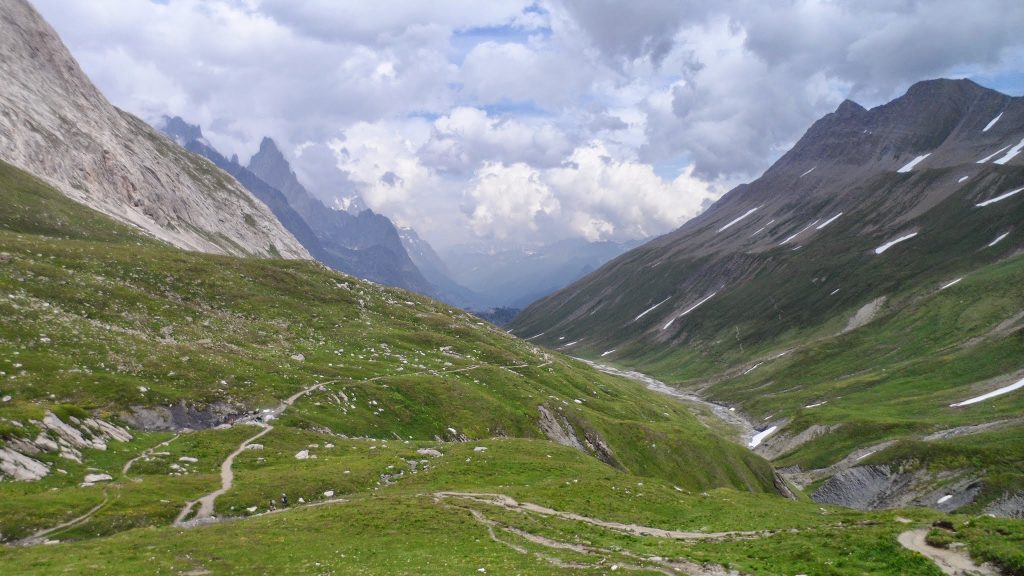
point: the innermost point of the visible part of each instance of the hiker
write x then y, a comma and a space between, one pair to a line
284, 499
273, 506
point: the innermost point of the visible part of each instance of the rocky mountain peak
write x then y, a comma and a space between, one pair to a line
271, 165
849, 108
180, 130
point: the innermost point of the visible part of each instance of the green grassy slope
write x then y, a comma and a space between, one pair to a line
95, 319
893, 378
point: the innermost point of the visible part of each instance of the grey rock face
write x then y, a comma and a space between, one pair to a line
66, 438
366, 245
55, 124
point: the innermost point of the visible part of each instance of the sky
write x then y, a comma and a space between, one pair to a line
521, 122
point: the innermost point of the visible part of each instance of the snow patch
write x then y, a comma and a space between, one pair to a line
748, 213
892, 243
945, 498
993, 155
603, 354
834, 292
953, 283
761, 229
962, 179
751, 369
787, 240
644, 313
688, 310
910, 165
999, 198
1012, 153
992, 122
816, 404
536, 336
998, 239
808, 172
1004, 390
829, 221
756, 440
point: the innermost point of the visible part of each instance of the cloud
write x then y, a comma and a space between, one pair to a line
510, 201
591, 195
427, 108
467, 137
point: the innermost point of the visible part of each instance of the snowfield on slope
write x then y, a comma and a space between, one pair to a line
747, 213
760, 436
892, 243
993, 155
998, 239
688, 310
910, 165
787, 240
1004, 390
1012, 153
644, 313
992, 122
829, 221
999, 198
953, 283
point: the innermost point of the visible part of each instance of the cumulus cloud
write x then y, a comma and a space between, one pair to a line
467, 137
591, 195
618, 118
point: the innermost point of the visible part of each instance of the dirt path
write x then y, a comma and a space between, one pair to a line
617, 559
145, 453
40, 536
951, 562
227, 474
503, 501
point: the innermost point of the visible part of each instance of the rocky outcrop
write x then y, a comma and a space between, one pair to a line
779, 444
862, 487
1009, 506
559, 430
877, 487
180, 416
17, 466
55, 124
67, 439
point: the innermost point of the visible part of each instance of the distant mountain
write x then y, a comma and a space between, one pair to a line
436, 272
497, 316
352, 203
55, 124
369, 241
861, 302
377, 263
515, 278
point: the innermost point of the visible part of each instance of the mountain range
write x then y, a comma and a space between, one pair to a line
845, 301
364, 245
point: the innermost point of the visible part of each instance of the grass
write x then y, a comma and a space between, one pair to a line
96, 319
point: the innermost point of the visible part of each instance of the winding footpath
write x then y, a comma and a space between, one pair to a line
227, 474
951, 562
146, 453
40, 536
605, 558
